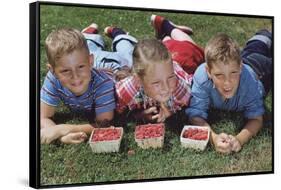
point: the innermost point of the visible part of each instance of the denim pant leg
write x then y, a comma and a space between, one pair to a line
258, 55
123, 45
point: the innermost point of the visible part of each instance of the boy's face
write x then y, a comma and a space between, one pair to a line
225, 77
74, 71
160, 81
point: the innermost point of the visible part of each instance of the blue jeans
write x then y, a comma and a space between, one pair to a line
258, 55
121, 56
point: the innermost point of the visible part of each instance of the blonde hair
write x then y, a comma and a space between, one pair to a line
222, 49
148, 52
63, 41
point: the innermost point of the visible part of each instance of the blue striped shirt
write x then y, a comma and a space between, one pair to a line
247, 99
98, 98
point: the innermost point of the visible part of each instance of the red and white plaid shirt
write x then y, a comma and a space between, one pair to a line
130, 93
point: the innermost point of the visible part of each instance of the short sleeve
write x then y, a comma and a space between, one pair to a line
200, 96
183, 91
126, 90
49, 92
253, 93
254, 102
105, 99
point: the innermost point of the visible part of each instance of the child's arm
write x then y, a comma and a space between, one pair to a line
251, 128
78, 133
104, 119
50, 131
162, 114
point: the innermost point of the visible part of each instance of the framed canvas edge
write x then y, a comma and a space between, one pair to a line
34, 93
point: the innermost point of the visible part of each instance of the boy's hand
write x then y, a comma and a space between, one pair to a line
160, 115
49, 134
235, 144
74, 138
163, 113
151, 113
222, 143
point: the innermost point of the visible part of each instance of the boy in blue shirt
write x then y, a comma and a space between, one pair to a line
73, 79
234, 82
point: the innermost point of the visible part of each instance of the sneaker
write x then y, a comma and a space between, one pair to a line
265, 32
112, 31
157, 21
108, 31
92, 29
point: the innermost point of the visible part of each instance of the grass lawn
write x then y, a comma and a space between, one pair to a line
67, 164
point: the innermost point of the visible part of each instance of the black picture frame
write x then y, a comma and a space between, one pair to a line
35, 85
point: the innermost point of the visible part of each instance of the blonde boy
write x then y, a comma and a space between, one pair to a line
71, 79
158, 87
234, 82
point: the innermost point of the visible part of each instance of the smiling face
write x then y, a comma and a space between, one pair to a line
160, 81
225, 77
73, 70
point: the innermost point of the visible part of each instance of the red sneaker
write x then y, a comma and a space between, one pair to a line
92, 29
112, 31
157, 21
108, 31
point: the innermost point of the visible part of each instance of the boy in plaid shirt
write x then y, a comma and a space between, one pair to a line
158, 87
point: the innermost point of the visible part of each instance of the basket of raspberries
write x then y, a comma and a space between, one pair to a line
150, 135
196, 137
106, 139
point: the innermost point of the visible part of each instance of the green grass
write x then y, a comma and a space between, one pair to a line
67, 164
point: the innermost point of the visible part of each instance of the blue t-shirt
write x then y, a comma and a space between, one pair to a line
98, 98
247, 99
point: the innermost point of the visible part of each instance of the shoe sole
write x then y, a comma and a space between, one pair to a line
93, 25
107, 33
185, 29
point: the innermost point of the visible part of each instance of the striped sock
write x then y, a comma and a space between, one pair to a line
167, 27
116, 31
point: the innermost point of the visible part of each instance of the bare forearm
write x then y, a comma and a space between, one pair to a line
251, 128
64, 129
46, 122
86, 128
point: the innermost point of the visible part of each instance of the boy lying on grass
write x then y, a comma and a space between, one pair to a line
73, 78
233, 81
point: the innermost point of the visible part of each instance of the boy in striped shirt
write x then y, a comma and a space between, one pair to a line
71, 79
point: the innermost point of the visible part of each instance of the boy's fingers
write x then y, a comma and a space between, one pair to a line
83, 136
224, 135
48, 141
150, 110
224, 147
154, 109
155, 117
147, 111
76, 141
224, 151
